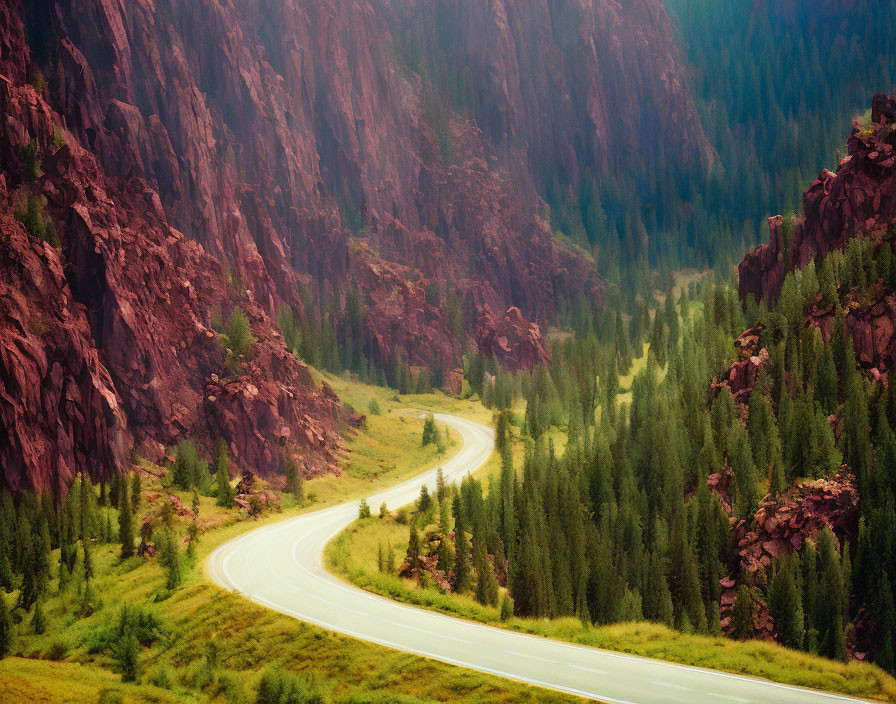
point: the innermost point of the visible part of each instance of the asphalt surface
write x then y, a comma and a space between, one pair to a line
281, 566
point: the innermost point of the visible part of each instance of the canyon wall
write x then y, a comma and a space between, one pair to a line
192, 157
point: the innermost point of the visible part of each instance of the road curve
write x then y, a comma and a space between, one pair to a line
281, 566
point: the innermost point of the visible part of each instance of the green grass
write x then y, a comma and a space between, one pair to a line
250, 639
353, 556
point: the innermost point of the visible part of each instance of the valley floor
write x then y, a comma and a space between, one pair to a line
65, 665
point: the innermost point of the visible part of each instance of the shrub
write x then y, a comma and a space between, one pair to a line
58, 138
506, 608
373, 407
110, 696
56, 651
280, 688
238, 333
31, 161
161, 678
30, 213
363, 509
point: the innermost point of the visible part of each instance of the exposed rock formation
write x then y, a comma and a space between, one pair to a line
871, 322
859, 199
744, 372
272, 147
108, 339
209, 162
783, 527
511, 340
59, 410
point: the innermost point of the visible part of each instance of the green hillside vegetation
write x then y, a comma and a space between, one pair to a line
618, 525
105, 628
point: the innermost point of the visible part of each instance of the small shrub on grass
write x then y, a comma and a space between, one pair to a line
363, 509
57, 651
373, 407
506, 608
110, 696
162, 677
277, 687
232, 689
381, 698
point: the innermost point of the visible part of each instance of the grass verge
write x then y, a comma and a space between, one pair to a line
353, 556
214, 646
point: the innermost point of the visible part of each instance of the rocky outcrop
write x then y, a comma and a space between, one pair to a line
59, 410
279, 150
516, 343
107, 341
782, 527
870, 319
860, 198
744, 372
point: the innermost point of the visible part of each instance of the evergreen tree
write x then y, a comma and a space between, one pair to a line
223, 491
126, 524
461, 549
785, 607
136, 489
86, 561
413, 554
742, 615
294, 479
6, 631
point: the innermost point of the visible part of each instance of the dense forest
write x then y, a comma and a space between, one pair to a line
775, 102
629, 521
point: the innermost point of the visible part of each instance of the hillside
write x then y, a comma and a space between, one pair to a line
185, 160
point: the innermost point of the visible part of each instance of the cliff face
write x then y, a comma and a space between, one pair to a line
860, 199
220, 153
106, 340
272, 128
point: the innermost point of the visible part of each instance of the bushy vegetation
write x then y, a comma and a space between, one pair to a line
30, 212
332, 336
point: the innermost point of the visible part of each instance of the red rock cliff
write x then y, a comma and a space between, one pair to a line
271, 127
222, 153
859, 199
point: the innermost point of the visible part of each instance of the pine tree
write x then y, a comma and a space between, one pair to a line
87, 561
38, 620
125, 523
461, 548
136, 489
294, 483
223, 490
430, 431
127, 655
5, 629
413, 553
785, 607
363, 509
742, 615
441, 487
169, 557
444, 554
33, 571
424, 503
486, 584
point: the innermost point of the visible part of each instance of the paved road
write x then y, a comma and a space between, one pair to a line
281, 566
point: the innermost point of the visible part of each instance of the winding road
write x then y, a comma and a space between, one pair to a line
281, 566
